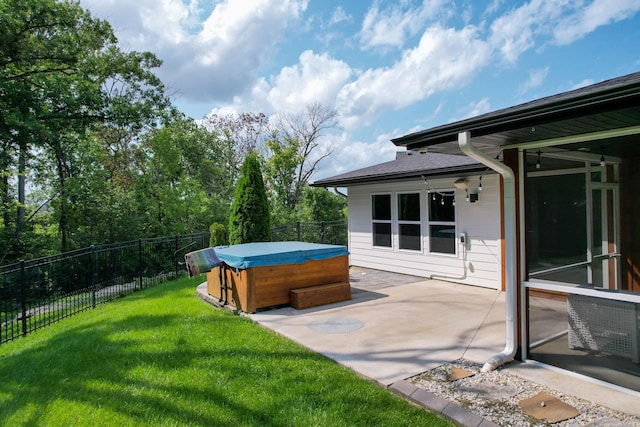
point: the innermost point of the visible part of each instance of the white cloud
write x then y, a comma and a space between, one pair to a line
444, 58
216, 60
559, 21
596, 14
536, 78
339, 15
583, 83
316, 78
515, 32
478, 108
391, 26
351, 155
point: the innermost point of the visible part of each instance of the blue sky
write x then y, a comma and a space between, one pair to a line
388, 68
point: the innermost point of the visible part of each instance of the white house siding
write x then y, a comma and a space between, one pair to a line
480, 220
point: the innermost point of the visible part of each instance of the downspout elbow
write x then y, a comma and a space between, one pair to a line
511, 296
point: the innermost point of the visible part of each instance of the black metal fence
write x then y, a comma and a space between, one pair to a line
36, 293
333, 233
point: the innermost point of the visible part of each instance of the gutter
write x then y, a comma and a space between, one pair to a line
339, 192
511, 294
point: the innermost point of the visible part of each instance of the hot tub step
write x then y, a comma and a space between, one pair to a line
314, 296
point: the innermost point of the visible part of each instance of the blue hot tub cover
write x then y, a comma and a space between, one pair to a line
262, 254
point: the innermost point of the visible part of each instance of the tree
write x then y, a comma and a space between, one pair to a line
61, 74
321, 204
241, 135
297, 152
280, 171
249, 219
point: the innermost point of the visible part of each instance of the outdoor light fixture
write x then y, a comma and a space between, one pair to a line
538, 161
461, 183
602, 162
467, 197
480, 185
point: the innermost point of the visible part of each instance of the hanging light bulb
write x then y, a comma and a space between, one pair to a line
602, 162
467, 197
538, 161
442, 200
480, 186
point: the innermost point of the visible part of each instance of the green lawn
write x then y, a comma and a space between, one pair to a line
163, 357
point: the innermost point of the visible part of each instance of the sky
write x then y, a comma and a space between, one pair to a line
388, 68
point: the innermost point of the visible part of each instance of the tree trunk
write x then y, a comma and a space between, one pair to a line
22, 172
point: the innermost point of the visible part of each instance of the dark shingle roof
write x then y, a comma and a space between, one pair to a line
406, 165
610, 104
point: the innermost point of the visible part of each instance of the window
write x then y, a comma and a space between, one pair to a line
442, 222
381, 218
409, 234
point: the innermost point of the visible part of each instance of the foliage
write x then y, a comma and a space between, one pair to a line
62, 76
91, 150
249, 219
218, 235
162, 357
322, 205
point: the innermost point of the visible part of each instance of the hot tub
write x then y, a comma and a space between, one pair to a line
262, 274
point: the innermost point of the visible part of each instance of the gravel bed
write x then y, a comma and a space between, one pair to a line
499, 407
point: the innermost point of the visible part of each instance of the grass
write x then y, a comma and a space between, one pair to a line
163, 357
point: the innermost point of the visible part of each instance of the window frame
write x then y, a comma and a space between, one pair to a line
418, 222
453, 223
375, 221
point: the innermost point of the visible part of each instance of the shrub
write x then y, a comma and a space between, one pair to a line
249, 220
218, 234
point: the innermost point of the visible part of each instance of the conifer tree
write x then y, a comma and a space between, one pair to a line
250, 220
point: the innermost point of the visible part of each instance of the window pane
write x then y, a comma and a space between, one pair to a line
409, 207
410, 236
442, 239
381, 206
382, 234
441, 206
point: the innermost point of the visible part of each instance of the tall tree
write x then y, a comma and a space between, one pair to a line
249, 220
61, 73
303, 133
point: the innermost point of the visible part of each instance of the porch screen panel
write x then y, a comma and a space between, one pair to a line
381, 219
557, 228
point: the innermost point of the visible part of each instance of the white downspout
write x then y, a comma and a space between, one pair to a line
511, 294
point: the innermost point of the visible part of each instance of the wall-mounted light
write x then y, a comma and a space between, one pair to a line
461, 183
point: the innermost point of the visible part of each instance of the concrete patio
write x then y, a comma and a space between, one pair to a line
398, 326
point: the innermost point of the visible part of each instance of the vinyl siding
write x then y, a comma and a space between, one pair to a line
479, 264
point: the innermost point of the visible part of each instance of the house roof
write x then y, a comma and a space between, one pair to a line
606, 114
407, 165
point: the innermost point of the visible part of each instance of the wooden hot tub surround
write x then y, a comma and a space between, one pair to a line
260, 286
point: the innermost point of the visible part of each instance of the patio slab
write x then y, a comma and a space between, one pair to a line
396, 331
397, 326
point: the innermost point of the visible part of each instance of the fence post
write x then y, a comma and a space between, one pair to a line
175, 259
322, 232
23, 298
298, 230
140, 266
93, 276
